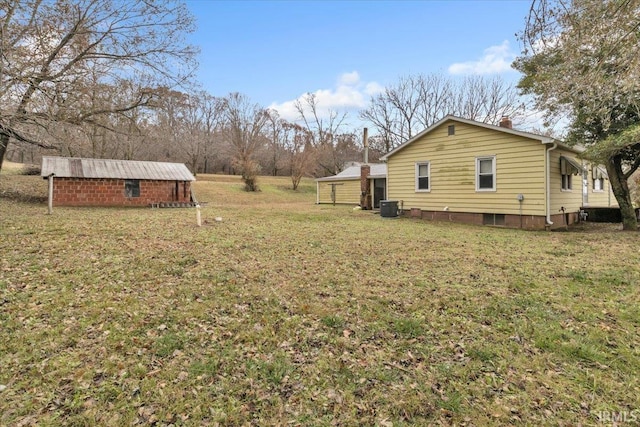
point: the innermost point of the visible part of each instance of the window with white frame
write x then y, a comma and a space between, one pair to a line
423, 172
486, 173
598, 184
566, 182
597, 174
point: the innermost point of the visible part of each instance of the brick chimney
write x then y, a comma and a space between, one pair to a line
365, 195
506, 122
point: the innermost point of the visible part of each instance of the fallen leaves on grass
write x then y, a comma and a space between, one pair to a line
284, 314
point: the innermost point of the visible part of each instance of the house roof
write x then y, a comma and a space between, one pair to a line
70, 167
378, 170
543, 139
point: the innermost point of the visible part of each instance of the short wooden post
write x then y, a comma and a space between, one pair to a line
198, 216
50, 194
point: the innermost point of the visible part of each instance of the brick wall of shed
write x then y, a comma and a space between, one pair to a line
110, 192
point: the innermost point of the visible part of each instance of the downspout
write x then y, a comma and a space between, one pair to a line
548, 179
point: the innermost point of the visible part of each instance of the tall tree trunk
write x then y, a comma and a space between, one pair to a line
620, 189
4, 143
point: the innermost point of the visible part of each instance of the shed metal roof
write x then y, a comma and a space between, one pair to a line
378, 170
70, 167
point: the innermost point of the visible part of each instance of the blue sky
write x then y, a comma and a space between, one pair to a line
344, 51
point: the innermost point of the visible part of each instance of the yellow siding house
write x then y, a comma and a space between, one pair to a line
465, 171
598, 190
345, 187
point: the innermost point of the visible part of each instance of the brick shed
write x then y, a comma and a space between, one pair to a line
103, 182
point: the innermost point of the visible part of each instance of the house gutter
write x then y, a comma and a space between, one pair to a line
548, 183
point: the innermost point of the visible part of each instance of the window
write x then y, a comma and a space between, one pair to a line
423, 171
486, 173
132, 188
451, 130
598, 174
568, 168
598, 184
493, 219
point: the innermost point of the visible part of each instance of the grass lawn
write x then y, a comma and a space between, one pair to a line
289, 313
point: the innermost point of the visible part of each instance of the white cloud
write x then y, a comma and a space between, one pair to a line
287, 110
496, 59
349, 94
351, 78
373, 88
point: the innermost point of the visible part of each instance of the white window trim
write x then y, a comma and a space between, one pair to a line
493, 171
418, 164
593, 185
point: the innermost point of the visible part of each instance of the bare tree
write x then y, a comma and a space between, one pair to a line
244, 124
193, 140
403, 109
109, 136
324, 130
201, 118
332, 158
486, 100
186, 126
418, 101
277, 129
383, 116
169, 129
50, 51
213, 118
301, 152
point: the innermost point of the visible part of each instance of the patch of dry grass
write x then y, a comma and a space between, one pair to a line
15, 185
291, 313
11, 168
